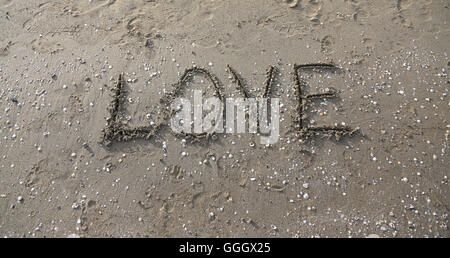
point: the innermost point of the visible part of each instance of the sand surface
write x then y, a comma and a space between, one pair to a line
60, 59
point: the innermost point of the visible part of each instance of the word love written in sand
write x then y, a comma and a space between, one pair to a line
116, 131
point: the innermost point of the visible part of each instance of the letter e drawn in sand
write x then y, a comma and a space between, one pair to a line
300, 116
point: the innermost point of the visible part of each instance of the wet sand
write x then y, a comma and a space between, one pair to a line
59, 61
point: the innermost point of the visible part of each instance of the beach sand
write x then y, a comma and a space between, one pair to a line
59, 61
